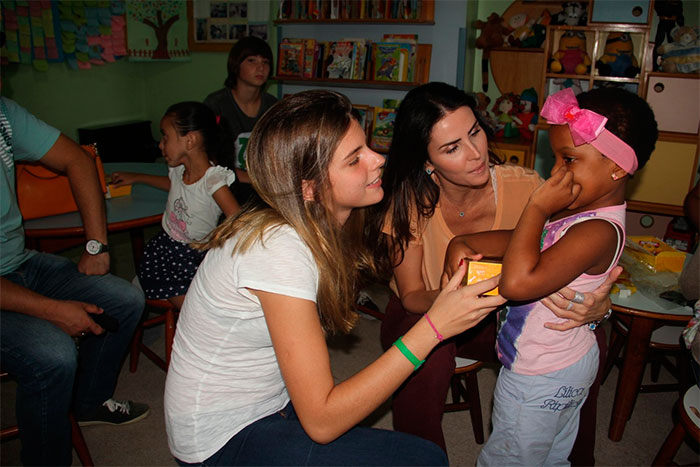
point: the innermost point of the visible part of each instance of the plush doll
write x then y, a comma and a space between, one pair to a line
493, 32
682, 55
572, 14
504, 109
670, 14
527, 113
539, 31
482, 107
571, 58
618, 57
574, 84
521, 26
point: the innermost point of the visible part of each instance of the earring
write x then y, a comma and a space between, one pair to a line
614, 176
428, 171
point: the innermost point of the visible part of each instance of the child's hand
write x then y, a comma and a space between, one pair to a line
556, 193
457, 250
123, 178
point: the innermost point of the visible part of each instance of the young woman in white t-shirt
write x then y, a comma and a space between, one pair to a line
250, 380
198, 193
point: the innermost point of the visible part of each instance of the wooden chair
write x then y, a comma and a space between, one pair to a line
167, 315
77, 438
664, 344
688, 424
464, 385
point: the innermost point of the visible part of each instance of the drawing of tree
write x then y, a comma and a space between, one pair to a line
160, 15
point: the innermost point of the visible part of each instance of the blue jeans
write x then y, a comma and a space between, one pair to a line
44, 359
279, 439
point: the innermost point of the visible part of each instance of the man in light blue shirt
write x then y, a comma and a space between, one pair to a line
48, 300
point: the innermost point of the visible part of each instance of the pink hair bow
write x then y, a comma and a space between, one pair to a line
587, 126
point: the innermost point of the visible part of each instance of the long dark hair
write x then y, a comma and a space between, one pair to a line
244, 48
195, 116
409, 192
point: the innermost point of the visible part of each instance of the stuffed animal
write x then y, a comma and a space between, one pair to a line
572, 14
571, 58
618, 57
521, 26
539, 31
670, 14
682, 55
505, 108
493, 32
482, 107
527, 113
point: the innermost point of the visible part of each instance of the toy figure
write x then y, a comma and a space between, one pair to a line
522, 29
527, 113
572, 14
618, 58
493, 32
670, 14
482, 106
682, 55
574, 84
539, 31
504, 109
571, 58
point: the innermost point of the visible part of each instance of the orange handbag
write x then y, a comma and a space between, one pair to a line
42, 192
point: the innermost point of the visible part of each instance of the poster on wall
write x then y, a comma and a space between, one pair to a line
215, 25
81, 33
157, 30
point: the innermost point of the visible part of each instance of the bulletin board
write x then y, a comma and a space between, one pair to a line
215, 25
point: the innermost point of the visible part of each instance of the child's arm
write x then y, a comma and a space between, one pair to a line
587, 247
490, 244
129, 178
226, 201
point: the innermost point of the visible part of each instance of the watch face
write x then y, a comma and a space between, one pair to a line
93, 247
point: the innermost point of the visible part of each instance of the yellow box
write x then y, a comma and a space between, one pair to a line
113, 192
658, 255
480, 271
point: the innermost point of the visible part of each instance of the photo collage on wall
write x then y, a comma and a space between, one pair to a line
225, 21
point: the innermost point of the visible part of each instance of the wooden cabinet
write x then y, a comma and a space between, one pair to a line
675, 100
626, 11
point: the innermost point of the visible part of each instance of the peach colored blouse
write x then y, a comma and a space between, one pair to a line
512, 184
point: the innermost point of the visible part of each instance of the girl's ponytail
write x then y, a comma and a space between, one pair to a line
195, 116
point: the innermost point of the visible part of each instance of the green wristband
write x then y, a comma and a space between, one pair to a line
408, 354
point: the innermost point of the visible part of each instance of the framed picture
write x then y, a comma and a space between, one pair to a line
215, 25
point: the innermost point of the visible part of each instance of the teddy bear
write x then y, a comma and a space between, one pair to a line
493, 33
571, 58
618, 57
682, 55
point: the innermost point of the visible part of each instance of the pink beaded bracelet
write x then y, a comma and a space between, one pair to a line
438, 336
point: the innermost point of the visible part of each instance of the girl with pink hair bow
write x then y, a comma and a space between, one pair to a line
571, 233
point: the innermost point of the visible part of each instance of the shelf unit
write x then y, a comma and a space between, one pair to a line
659, 188
427, 16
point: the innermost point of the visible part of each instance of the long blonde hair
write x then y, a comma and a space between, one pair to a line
293, 142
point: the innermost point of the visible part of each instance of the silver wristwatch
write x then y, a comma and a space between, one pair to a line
95, 247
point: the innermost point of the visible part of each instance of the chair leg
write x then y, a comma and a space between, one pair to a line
135, 349
614, 347
169, 335
670, 447
472, 385
79, 443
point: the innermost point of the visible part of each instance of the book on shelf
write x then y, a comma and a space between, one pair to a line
382, 129
290, 61
350, 9
339, 60
412, 45
365, 113
390, 61
309, 57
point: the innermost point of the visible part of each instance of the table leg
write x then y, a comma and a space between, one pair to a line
630, 377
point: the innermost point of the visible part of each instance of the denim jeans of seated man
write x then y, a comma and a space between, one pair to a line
53, 375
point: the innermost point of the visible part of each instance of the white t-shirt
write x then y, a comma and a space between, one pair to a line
191, 212
224, 374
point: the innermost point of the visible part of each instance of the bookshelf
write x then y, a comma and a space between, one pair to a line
355, 11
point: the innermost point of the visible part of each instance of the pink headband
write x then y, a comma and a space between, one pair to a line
587, 126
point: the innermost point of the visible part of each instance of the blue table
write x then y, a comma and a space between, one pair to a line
142, 208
